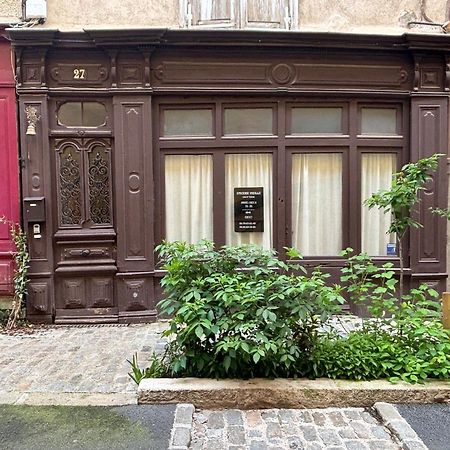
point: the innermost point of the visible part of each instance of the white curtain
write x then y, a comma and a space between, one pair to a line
189, 197
376, 174
317, 203
249, 170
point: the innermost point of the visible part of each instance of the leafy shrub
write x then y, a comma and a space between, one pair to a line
156, 369
403, 340
240, 311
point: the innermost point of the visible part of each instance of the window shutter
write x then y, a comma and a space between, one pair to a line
213, 13
267, 13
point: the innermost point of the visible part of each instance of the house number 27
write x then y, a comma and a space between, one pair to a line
78, 74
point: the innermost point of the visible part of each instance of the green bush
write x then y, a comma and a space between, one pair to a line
404, 340
241, 312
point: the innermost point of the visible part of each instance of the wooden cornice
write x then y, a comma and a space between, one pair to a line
163, 37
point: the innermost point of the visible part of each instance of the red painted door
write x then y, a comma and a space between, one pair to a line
9, 167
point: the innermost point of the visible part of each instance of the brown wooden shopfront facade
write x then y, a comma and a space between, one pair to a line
128, 138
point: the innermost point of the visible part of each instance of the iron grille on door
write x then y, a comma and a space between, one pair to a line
83, 168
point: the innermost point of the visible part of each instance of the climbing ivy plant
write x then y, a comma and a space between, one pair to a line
20, 278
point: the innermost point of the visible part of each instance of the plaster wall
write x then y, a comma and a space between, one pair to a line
351, 15
10, 11
112, 13
384, 16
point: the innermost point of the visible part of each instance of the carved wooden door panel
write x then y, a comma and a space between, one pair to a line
85, 236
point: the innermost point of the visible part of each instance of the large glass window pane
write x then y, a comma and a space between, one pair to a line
316, 120
94, 114
249, 171
379, 121
187, 122
189, 197
376, 174
82, 114
69, 114
248, 121
317, 203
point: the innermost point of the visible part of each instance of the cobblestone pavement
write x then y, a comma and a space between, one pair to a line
280, 429
75, 359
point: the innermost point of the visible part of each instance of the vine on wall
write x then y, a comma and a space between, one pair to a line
20, 278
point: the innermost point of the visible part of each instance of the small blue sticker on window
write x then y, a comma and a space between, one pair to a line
391, 249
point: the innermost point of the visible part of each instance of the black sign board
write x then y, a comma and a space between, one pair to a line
248, 209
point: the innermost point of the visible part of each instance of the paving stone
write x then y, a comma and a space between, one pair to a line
361, 429
380, 432
91, 359
305, 417
356, 445
274, 430
234, 417
181, 437
330, 437
414, 445
270, 414
347, 433
403, 429
337, 419
319, 419
216, 420
215, 433
369, 418
295, 443
253, 418
236, 435
309, 432
353, 414
342, 429
314, 446
286, 415
382, 445
258, 445
254, 433
183, 414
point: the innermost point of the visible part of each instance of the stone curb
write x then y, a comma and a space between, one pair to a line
286, 393
68, 398
392, 420
180, 437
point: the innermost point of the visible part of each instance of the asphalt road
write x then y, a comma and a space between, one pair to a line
85, 428
430, 422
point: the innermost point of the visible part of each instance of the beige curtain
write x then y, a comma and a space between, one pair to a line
189, 197
249, 170
376, 174
317, 203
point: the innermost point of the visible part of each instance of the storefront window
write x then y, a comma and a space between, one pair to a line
381, 121
317, 203
189, 197
257, 121
316, 120
376, 174
187, 122
249, 171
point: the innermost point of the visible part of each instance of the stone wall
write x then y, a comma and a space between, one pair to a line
383, 16
10, 11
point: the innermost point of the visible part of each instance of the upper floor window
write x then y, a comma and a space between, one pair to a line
240, 13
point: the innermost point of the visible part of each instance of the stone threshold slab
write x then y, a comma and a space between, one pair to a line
287, 393
67, 398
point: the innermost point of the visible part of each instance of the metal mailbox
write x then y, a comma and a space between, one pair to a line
34, 209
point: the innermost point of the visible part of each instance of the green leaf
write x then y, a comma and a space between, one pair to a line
199, 331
